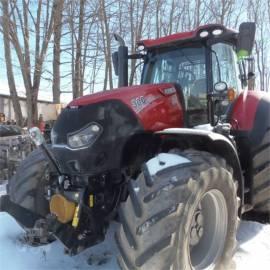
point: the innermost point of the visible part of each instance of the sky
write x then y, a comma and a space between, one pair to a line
45, 92
45, 89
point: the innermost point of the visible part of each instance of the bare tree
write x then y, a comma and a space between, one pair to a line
57, 50
104, 22
82, 37
137, 11
258, 13
31, 71
8, 60
78, 55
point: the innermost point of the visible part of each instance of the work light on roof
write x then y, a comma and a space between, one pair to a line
141, 48
217, 32
204, 34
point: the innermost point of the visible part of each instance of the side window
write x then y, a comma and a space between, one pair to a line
227, 62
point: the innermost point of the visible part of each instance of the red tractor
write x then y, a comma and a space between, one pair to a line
176, 160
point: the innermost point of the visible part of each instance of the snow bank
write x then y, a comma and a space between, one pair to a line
254, 246
253, 251
15, 255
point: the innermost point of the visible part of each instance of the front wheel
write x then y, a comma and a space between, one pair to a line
27, 189
181, 214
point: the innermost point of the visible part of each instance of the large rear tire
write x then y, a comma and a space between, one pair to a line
261, 175
182, 213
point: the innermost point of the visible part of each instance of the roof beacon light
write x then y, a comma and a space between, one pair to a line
204, 34
217, 32
141, 47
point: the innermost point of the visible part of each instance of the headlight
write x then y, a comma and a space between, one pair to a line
85, 136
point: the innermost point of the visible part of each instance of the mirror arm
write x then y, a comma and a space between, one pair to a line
243, 75
136, 56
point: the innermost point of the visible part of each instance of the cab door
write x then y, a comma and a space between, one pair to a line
225, 69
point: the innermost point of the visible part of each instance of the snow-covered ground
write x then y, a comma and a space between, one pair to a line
15, 255
253, 251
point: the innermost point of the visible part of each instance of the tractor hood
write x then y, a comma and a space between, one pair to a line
123, 93
144, 101
91, 133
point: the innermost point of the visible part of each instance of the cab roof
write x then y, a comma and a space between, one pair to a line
193, 35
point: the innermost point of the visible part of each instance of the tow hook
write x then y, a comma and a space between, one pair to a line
39, 234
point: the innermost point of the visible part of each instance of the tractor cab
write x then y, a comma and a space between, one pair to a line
207, 65
196, 69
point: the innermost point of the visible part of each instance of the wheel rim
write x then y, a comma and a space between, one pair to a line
208, 231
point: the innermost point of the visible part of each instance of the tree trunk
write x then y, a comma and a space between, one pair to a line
107, 43
78, 57
57, 50
9, 68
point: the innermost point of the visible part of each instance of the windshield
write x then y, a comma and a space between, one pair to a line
184, 66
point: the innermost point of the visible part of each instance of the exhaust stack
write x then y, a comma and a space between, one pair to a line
120, 62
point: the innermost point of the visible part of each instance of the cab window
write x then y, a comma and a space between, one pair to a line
227, 65
186, 67
224, 68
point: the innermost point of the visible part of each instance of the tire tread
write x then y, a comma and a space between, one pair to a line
261, 175
156, 217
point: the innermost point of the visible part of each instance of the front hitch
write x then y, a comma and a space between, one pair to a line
86, 229
74, 239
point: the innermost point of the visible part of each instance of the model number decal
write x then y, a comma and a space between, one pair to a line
141, 102
138, 103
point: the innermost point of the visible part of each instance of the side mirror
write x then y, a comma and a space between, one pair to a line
220, 87
245, 39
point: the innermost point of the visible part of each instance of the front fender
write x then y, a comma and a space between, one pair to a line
214, 143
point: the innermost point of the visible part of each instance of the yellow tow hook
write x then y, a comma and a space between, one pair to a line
76, 217
77, 212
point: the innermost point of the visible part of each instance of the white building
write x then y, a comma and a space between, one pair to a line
49, 110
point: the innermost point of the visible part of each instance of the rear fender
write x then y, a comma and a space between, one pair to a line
250, 114
212, 142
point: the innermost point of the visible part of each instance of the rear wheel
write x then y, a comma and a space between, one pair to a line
261, 175
181, 214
